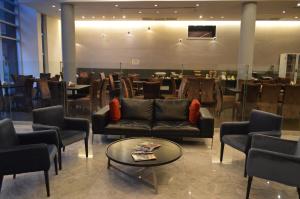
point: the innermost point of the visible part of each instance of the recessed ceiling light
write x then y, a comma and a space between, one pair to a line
197, 5
155, 5
53, 6
175, 11
140, 12
283, 12
295, 17
116, 5
124, 17
200, 16
83, 17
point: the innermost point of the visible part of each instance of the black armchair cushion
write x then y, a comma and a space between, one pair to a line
171, 110
8, 136
136, 109
129, 127
264, 121
70, 136
25, 158
52, 116
239, 142
174, 129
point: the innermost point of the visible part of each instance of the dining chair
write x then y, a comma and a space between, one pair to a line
207, 87
269, 97
151, 90
291, 102
124, 89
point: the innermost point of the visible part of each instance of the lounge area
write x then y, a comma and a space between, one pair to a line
149, 99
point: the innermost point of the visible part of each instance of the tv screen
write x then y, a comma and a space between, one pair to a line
202, 31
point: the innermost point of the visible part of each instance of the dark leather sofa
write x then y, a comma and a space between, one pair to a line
158, 118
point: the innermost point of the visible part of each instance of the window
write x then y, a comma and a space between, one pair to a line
8, 39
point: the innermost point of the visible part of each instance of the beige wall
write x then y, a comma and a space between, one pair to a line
104, 44
54, 45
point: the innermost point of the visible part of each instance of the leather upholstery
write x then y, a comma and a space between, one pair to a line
171, 110
136, 109
174, 129
70, 136
129, 127
238, 142
153, 127
52, 116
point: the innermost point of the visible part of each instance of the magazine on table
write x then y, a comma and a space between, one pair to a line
147, 147
140, 156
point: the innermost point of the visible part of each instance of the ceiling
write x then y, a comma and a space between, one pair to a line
170, 10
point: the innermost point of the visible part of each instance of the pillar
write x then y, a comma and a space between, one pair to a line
247, 40
68, 41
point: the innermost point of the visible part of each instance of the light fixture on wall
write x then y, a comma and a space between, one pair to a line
180, 40
283, 12
53, 6
128, 33
124, 17
175, 11
82, 17
197, 5
140, 12
155, 5
222, 17
157, 12
149, 28
103, 17
298, 4
114, 17
200, 16
59, 9
93, 17
295, 17
116, 5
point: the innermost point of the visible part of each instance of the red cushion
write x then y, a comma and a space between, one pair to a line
114, 110
194, 111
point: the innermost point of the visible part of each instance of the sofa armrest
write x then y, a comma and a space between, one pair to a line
79, 124
42, 127
232, 128
206, 123
100, 119
37, 137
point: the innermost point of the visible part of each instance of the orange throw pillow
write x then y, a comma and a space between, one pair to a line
194, 111
114, 110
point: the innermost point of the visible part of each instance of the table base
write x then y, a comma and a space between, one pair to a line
138, 175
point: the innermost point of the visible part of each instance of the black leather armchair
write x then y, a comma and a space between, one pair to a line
70, 130
26, 152
274, 159
238, 134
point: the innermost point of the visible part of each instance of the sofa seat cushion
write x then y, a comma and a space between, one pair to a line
239, 142
71, 136
129, 127
174, 129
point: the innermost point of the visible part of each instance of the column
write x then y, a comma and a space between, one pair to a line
68, 41
247, 40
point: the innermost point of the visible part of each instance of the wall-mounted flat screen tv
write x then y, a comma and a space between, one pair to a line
202, 32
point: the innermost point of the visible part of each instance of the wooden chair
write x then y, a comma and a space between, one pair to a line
207, 87
182, 91
269, 98
151, 90
193, 89
291, 102
124, 88
45, 94
45, 76
103, 93
114, 91
129, 86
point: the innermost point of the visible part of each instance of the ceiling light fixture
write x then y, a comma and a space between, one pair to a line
298, 4
140, 12
116, 5
155, 5
197, 5
53, 6
283, 12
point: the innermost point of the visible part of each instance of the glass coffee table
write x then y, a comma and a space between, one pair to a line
120, 152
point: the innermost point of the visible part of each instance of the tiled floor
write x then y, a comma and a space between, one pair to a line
197, 174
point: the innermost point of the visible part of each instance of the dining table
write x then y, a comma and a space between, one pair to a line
75, 88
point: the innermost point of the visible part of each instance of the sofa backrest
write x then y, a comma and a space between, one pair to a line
171, 110
136, 109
